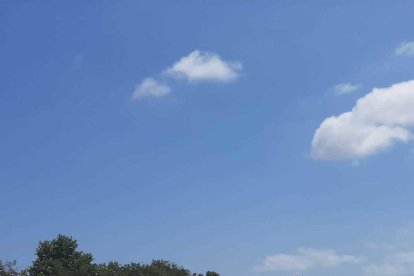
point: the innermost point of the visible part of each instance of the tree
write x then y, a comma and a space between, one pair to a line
7, 268
59, 257
164, 268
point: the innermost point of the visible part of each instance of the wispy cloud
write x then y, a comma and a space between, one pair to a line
346, 88
398, 264
204, 66
150, 88
397, 254
305, 259
405, 49
377, 121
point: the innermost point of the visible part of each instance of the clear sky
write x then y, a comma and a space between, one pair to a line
201, 132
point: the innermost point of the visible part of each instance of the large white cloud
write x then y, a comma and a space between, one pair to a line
377, 121
305, 259
204, 66
150, 88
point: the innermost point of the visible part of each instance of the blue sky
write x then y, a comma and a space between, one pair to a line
202, 132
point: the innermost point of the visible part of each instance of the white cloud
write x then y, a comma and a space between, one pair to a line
399, 264
150, 88
204, 66
345, 88
377, 121
405, 49
305, 259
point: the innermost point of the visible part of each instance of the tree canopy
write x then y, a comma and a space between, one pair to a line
60, 257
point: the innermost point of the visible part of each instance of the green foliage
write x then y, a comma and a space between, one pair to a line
156, 268
60, 257
165, 268
7, 268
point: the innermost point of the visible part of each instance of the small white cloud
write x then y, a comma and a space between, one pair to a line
405, 49
305, 259
377, 121
399, 264
204, 66
150, 88
345, 88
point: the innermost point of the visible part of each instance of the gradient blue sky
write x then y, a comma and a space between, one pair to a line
216, 174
